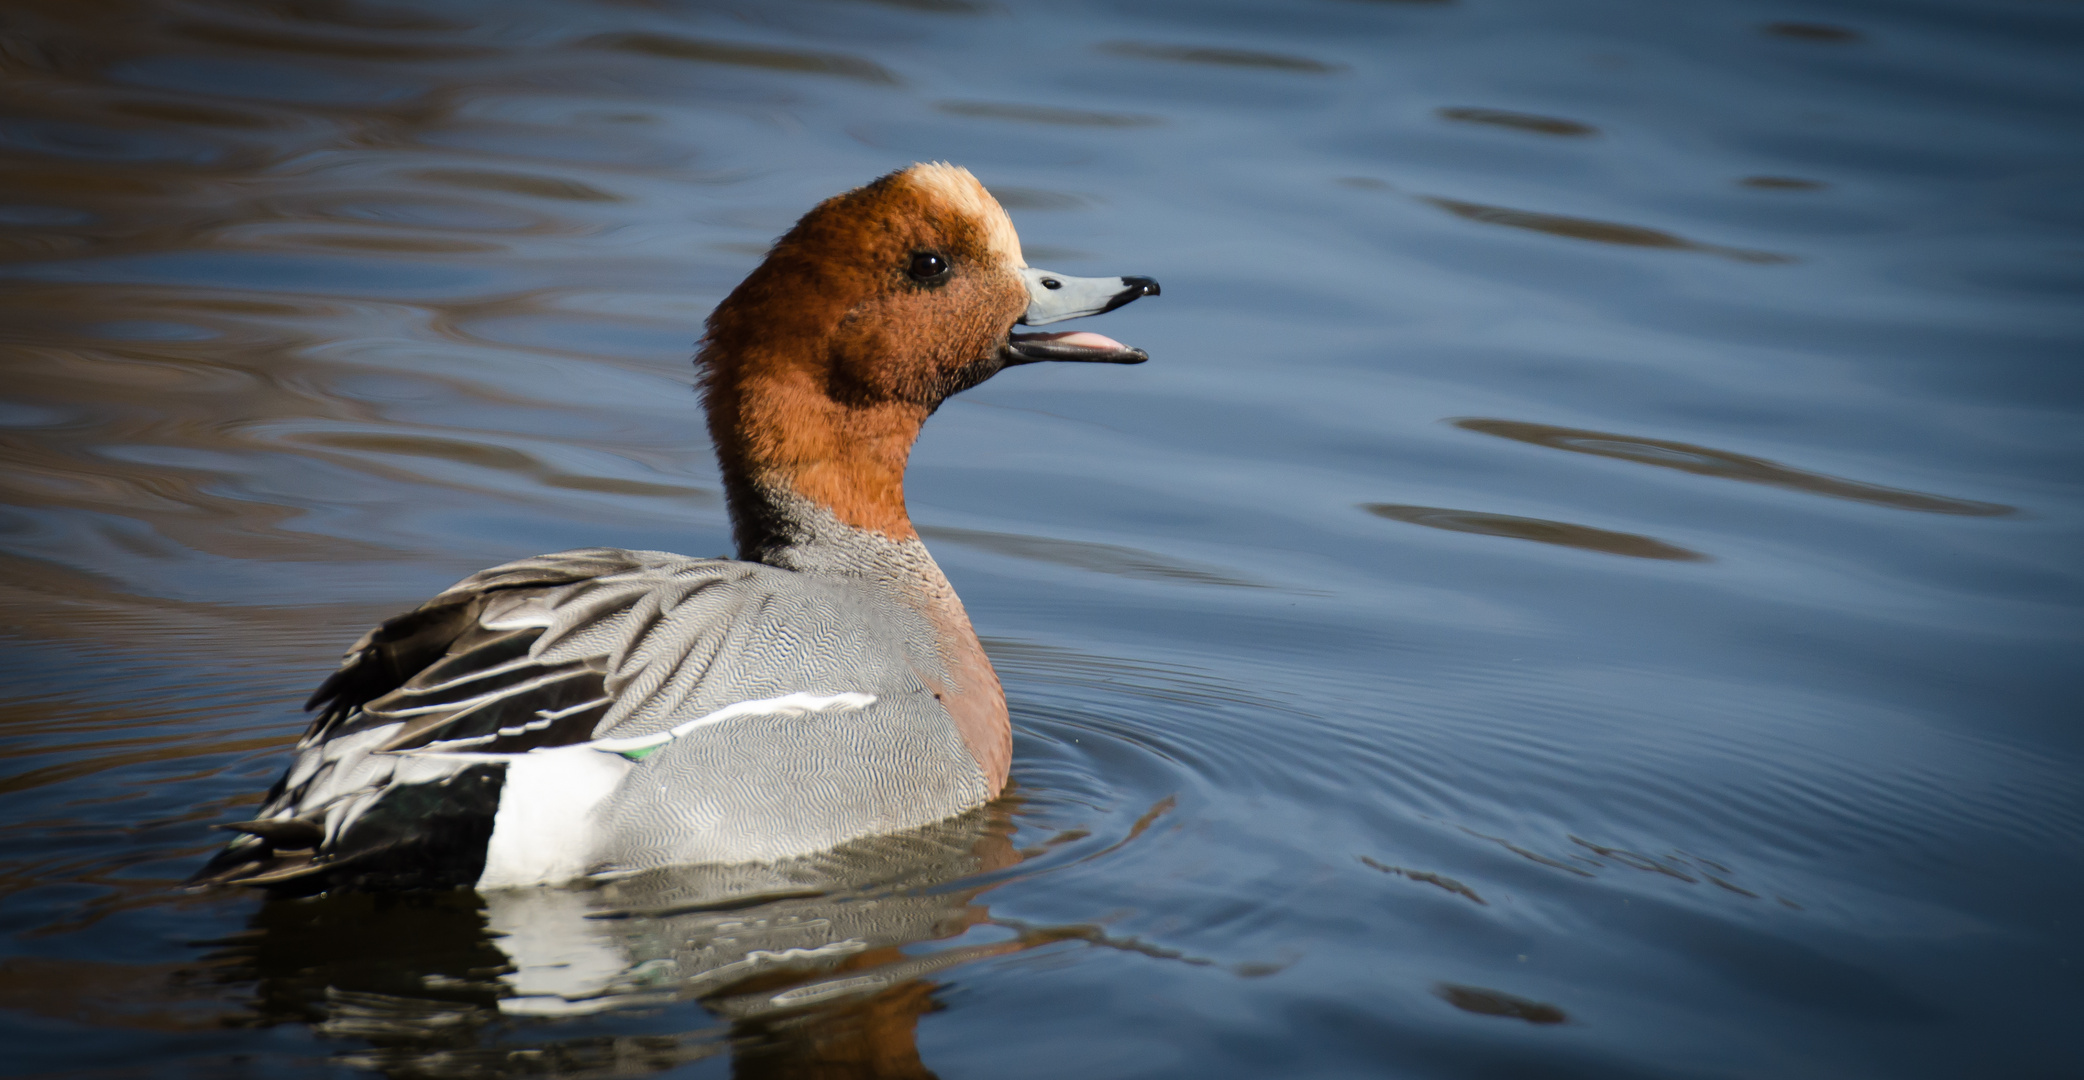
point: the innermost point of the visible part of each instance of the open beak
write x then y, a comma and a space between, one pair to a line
1055, 297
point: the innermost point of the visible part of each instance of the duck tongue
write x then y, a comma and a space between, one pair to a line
1084, 338
1076, 345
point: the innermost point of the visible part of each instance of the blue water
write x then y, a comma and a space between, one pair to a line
1587, 584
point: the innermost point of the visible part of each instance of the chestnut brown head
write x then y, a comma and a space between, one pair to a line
902, 291
879, 304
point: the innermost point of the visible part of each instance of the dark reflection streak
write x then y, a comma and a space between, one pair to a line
178, 747
272, 41
1429, 878
1631, 859
1817, 32
368, 241
1045, 114
994, 878
1033, 935
1544, 125
1539, 530
1242, 58
1599, 232
1486, 1002
1782, 183
185, 113
1679, 866
1706, 461
753, 56
53, 603
1067, 836
1720, 883
938, 7
181, 504
360, 16
488, 456
542, 187
1529, 855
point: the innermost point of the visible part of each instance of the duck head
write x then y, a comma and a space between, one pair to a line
878, 305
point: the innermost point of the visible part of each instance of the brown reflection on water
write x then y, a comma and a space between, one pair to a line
1241, 58
277, 41
1782, 183
50, 603
873, 1038
1707, 461
1428, 877
142, 428
937, 7
1045, 114
1486, 1002
1686, 868
176, 412
485, 456
1677, 865
1599, 232
102, 994
1539, 530
1824, 33
535, 186
1519, 121
706, 51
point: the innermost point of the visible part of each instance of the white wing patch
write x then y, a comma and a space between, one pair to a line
796, 704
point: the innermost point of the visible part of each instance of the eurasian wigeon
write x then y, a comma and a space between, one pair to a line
602, 711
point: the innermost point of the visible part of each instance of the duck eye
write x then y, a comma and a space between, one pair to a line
926, 265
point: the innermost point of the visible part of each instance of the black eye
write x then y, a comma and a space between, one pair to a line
1052, 283
926, 265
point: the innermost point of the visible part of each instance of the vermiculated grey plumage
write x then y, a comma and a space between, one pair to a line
604, 644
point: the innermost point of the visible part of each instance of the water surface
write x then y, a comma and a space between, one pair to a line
1587, 585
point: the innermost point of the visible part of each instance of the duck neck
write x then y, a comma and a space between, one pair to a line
809, 480
820, 490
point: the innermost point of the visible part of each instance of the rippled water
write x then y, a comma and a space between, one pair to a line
1588, 584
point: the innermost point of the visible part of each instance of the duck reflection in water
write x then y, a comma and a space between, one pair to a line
802, 967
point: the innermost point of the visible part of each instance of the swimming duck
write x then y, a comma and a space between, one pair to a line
600, 712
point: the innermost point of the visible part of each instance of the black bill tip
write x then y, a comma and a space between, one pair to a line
1132, 288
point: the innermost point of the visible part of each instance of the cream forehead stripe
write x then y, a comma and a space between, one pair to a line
953, 185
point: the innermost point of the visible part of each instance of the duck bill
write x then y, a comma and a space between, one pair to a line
1054, 297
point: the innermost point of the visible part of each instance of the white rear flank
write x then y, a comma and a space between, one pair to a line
548, 825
